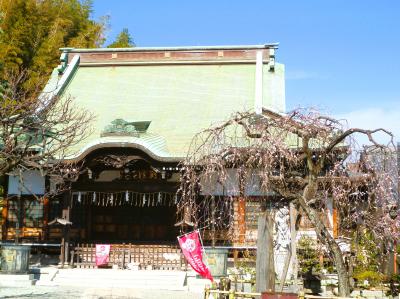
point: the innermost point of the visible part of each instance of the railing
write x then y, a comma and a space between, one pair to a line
162, 257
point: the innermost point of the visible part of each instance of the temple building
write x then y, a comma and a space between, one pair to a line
148, 103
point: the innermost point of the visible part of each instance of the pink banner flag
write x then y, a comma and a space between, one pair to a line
192, 250
102, 254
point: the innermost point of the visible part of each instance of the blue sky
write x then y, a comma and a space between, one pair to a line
341, 56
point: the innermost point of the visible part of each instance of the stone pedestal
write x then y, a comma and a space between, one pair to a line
17, 280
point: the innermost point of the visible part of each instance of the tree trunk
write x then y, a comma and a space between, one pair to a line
265, 267
325, 237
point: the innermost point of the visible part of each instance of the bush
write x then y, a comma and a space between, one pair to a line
367, 261
374, 278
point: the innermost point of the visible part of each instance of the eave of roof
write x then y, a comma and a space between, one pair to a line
154, 146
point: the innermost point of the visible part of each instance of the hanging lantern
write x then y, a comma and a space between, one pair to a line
186, 219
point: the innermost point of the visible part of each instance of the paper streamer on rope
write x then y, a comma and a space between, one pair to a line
124, 198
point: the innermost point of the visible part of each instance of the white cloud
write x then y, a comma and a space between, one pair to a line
373, 118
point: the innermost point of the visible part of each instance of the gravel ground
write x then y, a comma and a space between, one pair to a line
71, 292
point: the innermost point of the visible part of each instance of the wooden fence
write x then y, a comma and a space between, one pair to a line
232, 294
161, 257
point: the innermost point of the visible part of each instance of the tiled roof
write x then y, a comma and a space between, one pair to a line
180, 98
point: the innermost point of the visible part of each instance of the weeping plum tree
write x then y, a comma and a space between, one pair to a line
302, 157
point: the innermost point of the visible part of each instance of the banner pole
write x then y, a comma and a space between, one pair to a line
201, 242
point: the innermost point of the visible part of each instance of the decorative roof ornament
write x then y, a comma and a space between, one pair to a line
121, 127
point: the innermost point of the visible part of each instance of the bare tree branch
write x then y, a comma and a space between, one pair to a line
35, 138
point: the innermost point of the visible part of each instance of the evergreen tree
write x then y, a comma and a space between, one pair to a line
124, 40
33, 31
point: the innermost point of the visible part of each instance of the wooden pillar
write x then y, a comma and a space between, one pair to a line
89, 222
62, 248
67, 241
46, 209
213, 221
242, 207
20, 219
265, 266
242, 220
4, 219
241, 213
235, 257
335, 223
240, 229
66, 214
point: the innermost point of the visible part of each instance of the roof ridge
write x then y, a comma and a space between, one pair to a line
178, 48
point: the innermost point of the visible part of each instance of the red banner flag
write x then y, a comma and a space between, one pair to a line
102, 254
192, 250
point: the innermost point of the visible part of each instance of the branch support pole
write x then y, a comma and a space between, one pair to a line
265, 266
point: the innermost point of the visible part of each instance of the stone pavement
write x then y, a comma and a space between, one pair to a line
53, 292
